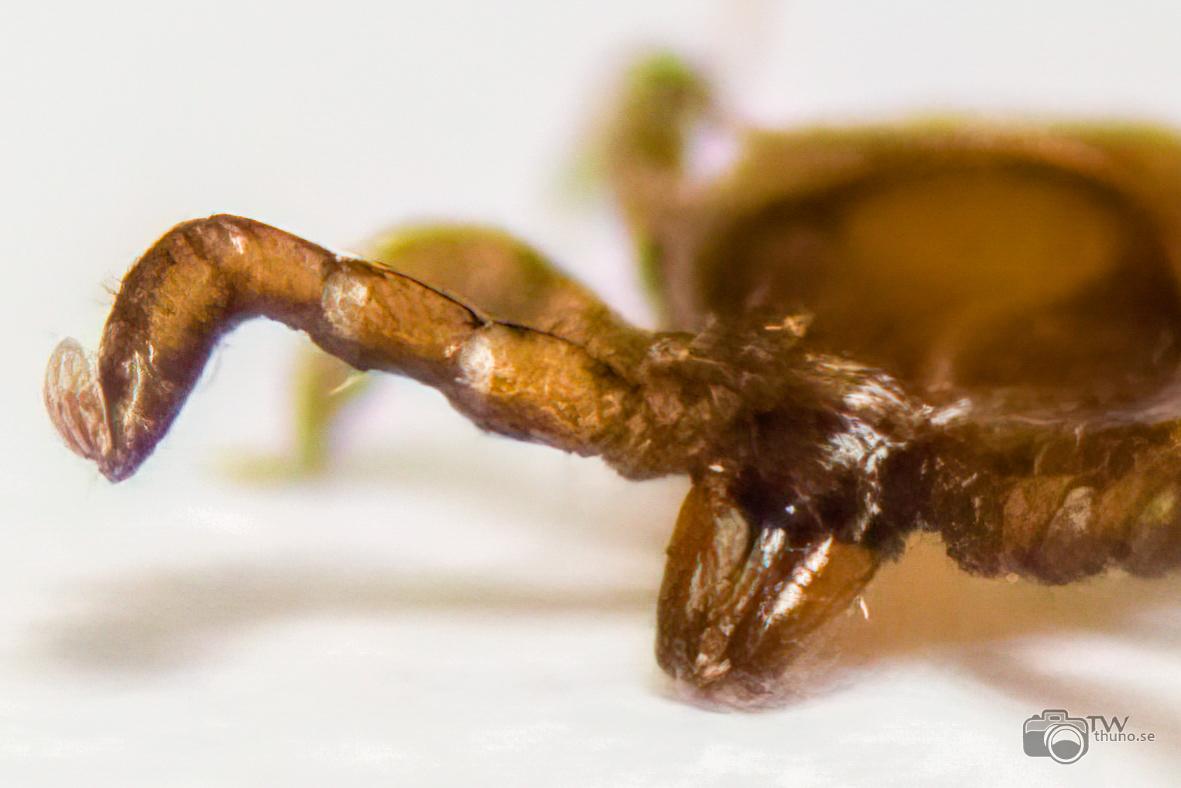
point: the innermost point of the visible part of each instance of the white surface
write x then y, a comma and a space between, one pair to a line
449, 608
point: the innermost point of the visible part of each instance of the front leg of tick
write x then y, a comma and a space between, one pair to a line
571, 385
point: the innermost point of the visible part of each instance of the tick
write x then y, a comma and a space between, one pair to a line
868, 331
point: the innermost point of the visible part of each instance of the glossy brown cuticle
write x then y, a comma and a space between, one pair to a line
965, 330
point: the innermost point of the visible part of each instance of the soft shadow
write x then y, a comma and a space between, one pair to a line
1039, 688
920, 608
925, 608
925, 602
162, 620
504, 479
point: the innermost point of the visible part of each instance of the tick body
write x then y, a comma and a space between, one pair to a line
959, 329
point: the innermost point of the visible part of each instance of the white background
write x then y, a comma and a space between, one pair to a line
449, 608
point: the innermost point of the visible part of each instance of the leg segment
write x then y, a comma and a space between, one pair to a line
510, 281
646, 150
574, 385
324, 386
1084, 501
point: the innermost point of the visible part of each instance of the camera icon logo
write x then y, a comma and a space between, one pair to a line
1055, 734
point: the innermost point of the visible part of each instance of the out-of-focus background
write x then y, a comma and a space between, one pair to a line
446, 607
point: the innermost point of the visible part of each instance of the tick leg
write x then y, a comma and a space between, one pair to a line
324, 388
509, 281
647, 151
740, 604
1107, 499
570, 383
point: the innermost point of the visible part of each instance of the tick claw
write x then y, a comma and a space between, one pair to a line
75, 403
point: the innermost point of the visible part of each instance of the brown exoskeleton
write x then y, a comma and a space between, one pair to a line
960, 329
